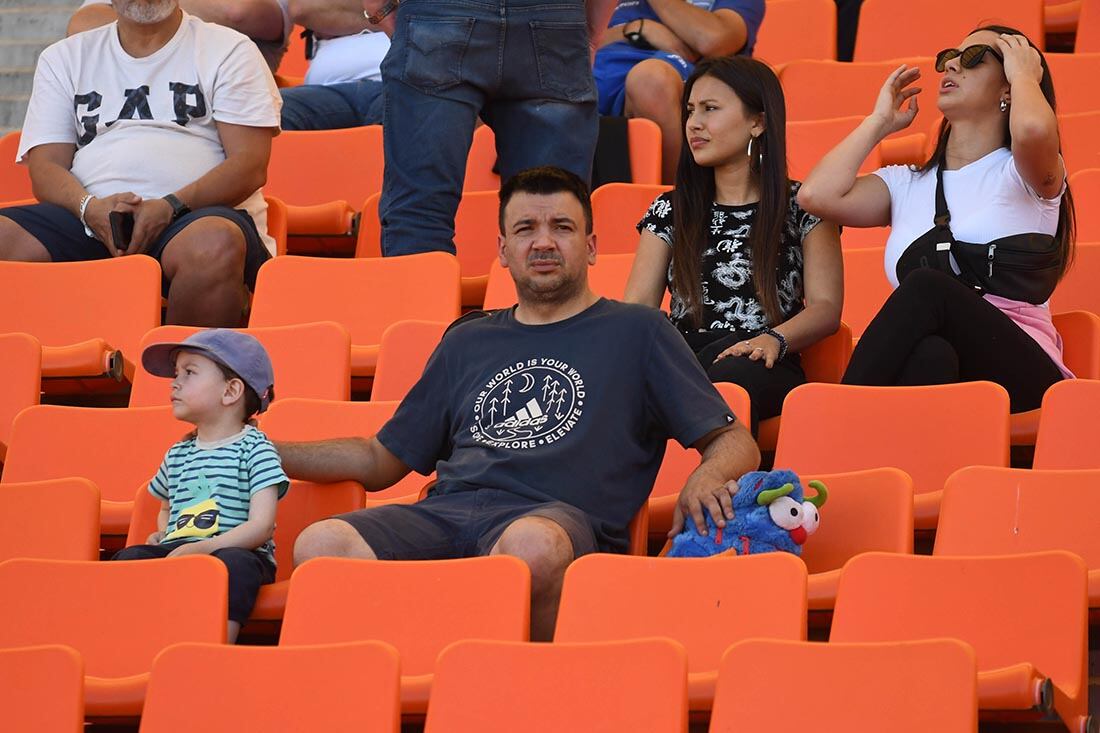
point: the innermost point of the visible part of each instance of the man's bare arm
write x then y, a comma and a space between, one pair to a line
329, 18
343, 459
598, 13
718, 33
728, 453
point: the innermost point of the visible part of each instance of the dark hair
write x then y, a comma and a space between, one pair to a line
756, 85
543, 181
1065, 234
251, 400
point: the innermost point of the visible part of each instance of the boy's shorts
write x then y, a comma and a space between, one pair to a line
64, 238
461, 524
614, 61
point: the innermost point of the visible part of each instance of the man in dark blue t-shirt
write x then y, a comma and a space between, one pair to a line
650, 49
545, 423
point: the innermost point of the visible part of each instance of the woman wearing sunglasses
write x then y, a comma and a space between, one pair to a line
980, 234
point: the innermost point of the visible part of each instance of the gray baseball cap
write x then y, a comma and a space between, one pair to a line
239, 351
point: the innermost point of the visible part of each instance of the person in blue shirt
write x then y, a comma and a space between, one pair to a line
651, 47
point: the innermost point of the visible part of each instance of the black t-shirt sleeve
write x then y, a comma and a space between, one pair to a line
680, 396
658, 218
419, 433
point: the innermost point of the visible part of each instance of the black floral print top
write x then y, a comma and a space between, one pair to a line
729, 293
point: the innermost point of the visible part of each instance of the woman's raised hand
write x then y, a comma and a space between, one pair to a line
891, 111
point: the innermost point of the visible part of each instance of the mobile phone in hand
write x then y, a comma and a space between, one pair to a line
122, 229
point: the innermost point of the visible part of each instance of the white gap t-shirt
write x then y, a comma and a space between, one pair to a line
148, 125
348, 58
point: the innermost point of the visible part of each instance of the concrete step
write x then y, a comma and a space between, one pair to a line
16, 79
21, 53
34, 22
13, 107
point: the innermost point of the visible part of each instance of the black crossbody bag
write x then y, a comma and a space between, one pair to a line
1023, 267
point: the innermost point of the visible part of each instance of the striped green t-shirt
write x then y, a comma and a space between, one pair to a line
209, 489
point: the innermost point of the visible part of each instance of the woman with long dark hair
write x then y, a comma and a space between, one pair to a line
754, 279
980, 234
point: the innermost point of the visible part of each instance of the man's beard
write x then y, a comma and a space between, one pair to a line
561, 290
145, 12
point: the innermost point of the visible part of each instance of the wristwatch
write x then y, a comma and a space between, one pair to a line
636, 39
178, 207
382, 12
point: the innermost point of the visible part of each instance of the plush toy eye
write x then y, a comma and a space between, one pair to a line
810, 518
786, 512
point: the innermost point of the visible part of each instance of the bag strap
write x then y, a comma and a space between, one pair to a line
946, 240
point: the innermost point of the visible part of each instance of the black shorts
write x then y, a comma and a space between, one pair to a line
64, 238
461, 524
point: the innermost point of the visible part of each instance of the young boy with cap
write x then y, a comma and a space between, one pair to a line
219, 486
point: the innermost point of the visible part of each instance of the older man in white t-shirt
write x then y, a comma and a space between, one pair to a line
165, 118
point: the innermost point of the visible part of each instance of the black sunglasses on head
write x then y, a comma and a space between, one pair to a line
969, 57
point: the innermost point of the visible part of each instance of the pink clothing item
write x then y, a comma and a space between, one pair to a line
1036, 322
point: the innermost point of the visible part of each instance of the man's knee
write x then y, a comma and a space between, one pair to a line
213, 247
17, 244
541, 543
330, 538
653, 86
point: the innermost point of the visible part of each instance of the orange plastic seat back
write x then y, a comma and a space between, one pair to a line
845, 531
1079, 148
864, 237
118, 615
42, 689
52, 520
1080, 332
878, 38
1077, 289
312, 166
645, 150
363, 295
15, 179
797, 29
406, 347
65, 303
704, 603
277, 215
1011, 610
826, 360
809, 140
481, 160
616, 210
1074, 76
117, 448
911, 687
334, 600
1088, 28
1086, 193
1006, 511
310, 360
1068, 432
20, 380
606, 278
351, 687
294, 61
496, 686
865, 287
928, 432
300, 420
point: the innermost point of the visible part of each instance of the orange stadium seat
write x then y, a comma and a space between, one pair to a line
15, 179
809, 140
481, 160
309, 172
1032, 657
1060, 16
405, 348
1080, 149
334, 600
1008, 511
706, 604
42, 689
301, 419
1074, 76
878, 37
20, 380
1077, 290
118, 615
83, 313
117, 448
310, 360
864, 237
305, 503
294, 62
616, 210
908, 687
52, 520
476, 233
277, 215
1088, 28
1068, 427
1086, 194
797, 29
364, 295
498, 686
351, 687
606, 278
865, 287
928, 432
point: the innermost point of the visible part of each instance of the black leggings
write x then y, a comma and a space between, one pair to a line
766, 387
934, 329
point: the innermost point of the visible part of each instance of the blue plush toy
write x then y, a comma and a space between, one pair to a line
769, 514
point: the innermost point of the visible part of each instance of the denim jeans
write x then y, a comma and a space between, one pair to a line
332, 106
522, 65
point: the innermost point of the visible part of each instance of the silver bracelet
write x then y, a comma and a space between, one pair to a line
83, 209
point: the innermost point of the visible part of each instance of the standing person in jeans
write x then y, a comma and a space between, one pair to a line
523, 66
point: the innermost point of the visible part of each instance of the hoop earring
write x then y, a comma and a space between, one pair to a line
1004, 105
755, 161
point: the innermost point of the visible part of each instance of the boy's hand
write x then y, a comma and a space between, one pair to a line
191, 548
156, 537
